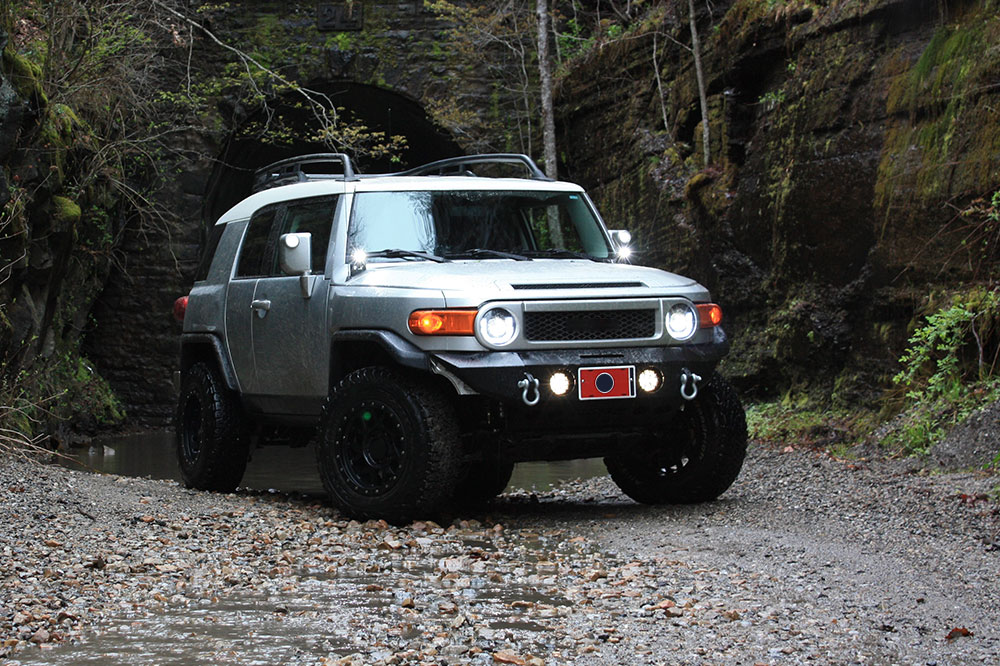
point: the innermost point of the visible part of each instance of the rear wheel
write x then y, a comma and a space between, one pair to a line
212, 450
694, 459
388, 446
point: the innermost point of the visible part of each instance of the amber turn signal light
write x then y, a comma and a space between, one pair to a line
709, 315
442, 322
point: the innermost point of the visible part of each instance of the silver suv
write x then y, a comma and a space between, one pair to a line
430, 328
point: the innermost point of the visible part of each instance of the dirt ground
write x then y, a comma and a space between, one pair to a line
806, 559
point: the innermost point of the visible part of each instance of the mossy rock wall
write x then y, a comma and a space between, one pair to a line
55, 253
844, 139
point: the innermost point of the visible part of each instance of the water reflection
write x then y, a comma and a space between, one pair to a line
278, 468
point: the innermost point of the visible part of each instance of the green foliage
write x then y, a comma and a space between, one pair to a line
794, 421
949, 369
955, 348
67, 389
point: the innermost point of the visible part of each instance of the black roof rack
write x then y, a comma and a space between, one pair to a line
292, 170
453, 166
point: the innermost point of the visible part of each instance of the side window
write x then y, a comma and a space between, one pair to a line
313, 216
257, 244
208, 252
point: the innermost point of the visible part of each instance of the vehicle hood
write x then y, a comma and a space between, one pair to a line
525, 279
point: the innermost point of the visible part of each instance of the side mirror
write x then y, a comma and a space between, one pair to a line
621, 239
295, 258
295, 253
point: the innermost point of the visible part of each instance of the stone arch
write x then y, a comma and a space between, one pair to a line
376, 108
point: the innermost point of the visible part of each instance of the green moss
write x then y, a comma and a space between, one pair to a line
793, 419
59, 127
943, 136
25, 76
64, 212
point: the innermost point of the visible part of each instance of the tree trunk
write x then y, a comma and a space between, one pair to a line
696, 48
548, 114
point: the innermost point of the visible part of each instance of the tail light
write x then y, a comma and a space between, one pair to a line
180, 308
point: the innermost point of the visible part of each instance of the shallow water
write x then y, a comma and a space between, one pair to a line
278, 468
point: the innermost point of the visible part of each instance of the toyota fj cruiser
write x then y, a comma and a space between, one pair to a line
432, 327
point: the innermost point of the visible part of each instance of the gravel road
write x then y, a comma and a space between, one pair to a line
805, 560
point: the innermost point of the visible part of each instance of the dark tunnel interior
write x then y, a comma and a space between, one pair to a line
377, 109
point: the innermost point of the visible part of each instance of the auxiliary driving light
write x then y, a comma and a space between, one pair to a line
559, 383
649, 380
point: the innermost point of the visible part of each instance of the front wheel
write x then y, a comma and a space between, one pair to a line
212, 449
388, 446
695, 458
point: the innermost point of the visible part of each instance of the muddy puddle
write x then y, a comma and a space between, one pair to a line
277, 468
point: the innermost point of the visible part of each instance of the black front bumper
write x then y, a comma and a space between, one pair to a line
501, 375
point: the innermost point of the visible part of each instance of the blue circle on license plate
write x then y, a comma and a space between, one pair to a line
604, 382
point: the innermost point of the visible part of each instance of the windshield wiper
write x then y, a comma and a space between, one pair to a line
559, 252
397, 253
483, 252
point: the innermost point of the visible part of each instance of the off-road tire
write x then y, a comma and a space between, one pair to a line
212, 449
388, 446
481, 481
694, 458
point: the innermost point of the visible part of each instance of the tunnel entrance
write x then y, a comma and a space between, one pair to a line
376, 109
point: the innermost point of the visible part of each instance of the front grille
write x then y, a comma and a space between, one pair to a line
589, 325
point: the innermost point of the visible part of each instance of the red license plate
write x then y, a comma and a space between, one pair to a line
599, 383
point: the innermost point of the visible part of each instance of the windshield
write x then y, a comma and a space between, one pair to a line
477, 224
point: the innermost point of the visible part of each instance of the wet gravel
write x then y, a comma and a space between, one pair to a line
806, 559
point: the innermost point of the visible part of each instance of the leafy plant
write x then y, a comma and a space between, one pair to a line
950, 369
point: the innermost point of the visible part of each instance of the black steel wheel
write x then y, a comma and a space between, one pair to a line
694, 458
211, 448
388, 446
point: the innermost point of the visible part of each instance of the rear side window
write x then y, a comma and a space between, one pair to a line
259, 256
208, 252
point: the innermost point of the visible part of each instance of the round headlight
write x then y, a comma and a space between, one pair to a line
497, 327
682, 321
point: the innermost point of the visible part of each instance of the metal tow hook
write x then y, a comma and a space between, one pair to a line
689, 384
527, 385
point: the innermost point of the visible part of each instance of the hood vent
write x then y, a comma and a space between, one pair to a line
579, 285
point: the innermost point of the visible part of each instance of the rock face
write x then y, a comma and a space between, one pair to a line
845, 141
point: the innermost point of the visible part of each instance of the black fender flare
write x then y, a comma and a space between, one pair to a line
401, 351
195, 347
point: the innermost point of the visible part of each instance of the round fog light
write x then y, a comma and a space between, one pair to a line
649, 380
559, 383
